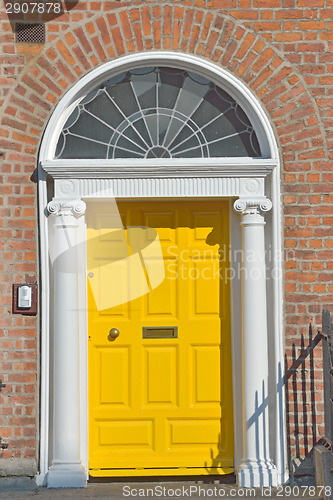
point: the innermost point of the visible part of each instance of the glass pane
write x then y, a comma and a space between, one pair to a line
103, 107
156, 112
76, 147
91, 127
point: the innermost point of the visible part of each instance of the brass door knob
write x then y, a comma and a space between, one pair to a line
114, 333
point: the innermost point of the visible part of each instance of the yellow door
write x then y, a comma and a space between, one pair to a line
162, 405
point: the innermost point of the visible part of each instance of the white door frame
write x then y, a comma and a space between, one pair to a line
252, 182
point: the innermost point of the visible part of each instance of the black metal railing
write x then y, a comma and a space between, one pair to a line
301, 408
300, 383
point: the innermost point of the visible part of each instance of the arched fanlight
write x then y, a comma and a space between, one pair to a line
157, 112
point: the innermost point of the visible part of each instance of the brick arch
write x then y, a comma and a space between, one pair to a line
208, 34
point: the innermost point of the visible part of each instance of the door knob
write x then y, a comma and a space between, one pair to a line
114, 333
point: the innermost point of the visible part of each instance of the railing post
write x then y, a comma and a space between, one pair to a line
328, 373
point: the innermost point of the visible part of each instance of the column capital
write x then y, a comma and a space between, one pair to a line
67, 211
252, 205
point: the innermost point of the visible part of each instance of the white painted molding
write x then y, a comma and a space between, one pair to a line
44, 332
159, 187
156, 168
186, 187
246, 178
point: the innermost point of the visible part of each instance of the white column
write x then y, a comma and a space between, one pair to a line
66, 469
256, 468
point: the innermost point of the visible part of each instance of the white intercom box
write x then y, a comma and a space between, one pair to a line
24, 299
24, 296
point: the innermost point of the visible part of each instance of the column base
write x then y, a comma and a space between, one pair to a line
256, 473
66, 476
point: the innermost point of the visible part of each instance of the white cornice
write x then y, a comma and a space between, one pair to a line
197, 167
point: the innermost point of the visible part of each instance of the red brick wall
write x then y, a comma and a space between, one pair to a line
282, 50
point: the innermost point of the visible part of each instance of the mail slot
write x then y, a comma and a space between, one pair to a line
160, 332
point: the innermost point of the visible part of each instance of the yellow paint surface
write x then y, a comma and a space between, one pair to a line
160, 406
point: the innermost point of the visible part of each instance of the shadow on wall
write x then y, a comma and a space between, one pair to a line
304, 385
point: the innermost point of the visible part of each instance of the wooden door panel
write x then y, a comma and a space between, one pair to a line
162, 405
161, 375
114, 391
